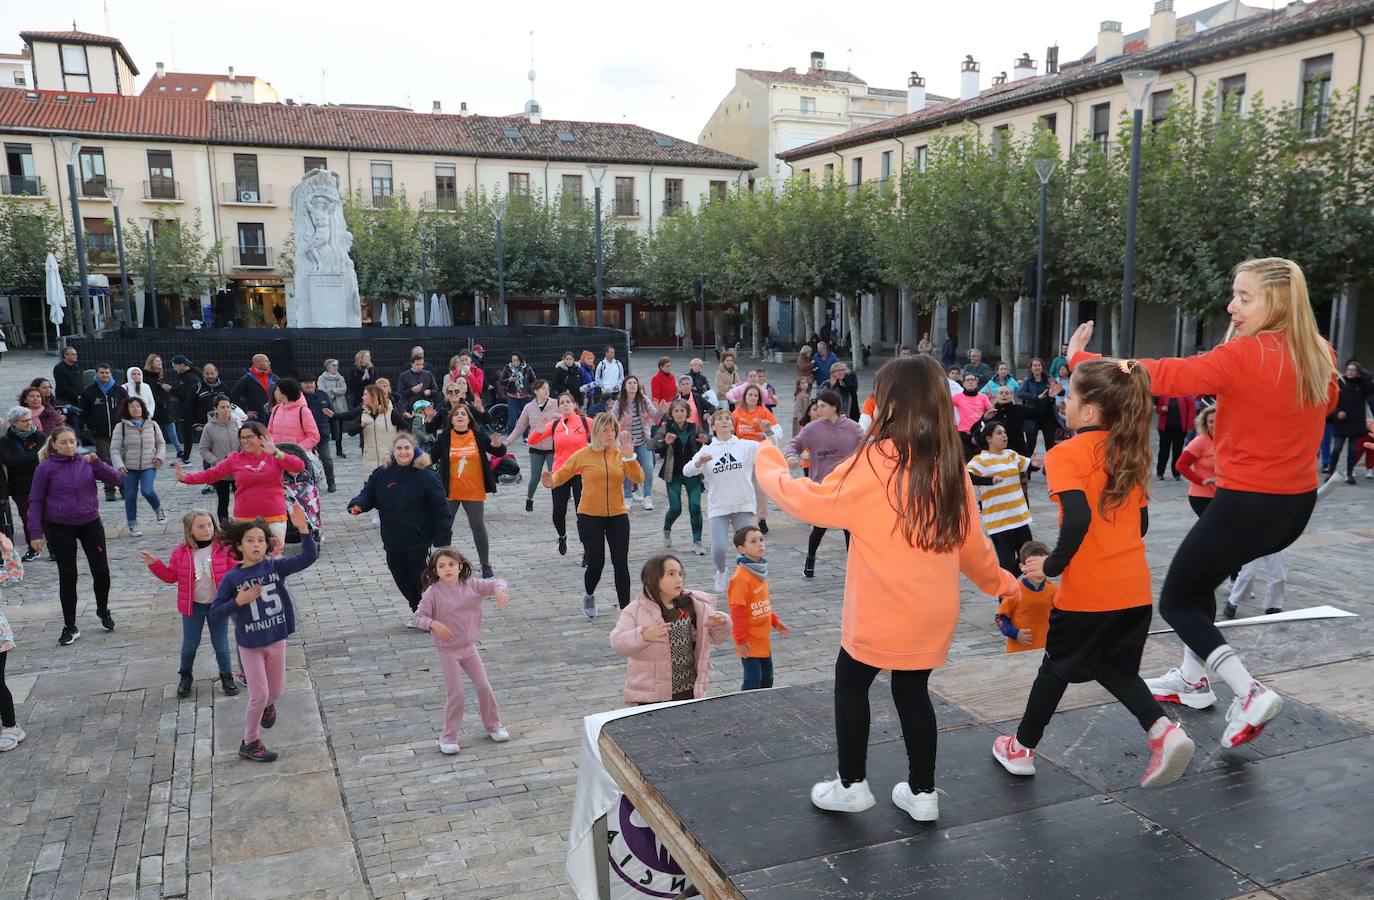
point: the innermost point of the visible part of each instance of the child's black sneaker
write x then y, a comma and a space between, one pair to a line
1230, 611
106, 620
184, 685
809, 568
226, 681
69, 634
257, 752
269, 716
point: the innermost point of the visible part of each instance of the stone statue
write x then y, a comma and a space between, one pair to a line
326, 286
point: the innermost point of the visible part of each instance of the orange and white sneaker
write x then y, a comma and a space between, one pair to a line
1170, 752
1248, 715
1014, 758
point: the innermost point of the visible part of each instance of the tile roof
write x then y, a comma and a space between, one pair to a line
194, 85
348, 127
1186, 26
1279, 27
80, 37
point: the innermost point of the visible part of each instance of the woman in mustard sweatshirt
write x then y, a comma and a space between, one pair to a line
907, 502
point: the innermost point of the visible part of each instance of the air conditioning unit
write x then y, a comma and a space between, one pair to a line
248, 196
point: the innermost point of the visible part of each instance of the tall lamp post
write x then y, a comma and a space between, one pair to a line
598, 173
499, 207
1043, 168
152, 280
1139, 85
115, 194
70, 147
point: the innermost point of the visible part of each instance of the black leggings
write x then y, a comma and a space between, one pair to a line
1235, 528
914, 709
1352, 445
1008, 546
570, 488
596, 533
62, 540
813, 543
406, 564
1049, 688
1170, 445
1044, 423
1199, 504
7, 719
222, 501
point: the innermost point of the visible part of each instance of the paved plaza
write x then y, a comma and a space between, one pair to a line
122, 790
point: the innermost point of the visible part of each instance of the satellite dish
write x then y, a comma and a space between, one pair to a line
531, 75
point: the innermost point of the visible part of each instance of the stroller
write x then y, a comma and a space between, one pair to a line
302, 488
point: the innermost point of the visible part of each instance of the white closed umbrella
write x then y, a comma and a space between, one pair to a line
680, 327
436, 315
57, 295
445, 309
384, 323
563, 314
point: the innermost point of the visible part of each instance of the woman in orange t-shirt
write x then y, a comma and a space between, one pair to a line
756, 422
460, 455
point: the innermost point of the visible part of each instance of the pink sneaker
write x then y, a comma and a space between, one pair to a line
1248, 715
1170, 752
1014, 758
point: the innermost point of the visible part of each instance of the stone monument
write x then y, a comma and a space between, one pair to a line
326, 286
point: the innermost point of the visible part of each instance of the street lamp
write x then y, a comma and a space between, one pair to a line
598, 173
152, 280
1044, 168
115, 194
1139, 84
70, 147
500, 209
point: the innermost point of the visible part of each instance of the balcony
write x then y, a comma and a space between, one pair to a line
21, 186
794, 113
94, 188
446, 201
253, 257
674, 206
162, 190
384, 201
246, 194
625, 208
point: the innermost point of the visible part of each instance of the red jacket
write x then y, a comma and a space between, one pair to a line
257, 482
1187, 409
663, 387
180, 570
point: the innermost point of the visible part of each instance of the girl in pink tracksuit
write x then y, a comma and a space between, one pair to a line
451, 610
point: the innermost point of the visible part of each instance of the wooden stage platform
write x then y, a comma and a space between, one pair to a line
725, 784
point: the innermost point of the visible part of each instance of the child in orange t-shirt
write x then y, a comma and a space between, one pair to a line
755, 422
751, 610
1025, 619
1100, 479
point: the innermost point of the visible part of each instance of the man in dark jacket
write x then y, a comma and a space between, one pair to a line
100, 409
185, 382
253, 392
567, 376
319, 407
67, 387
415, 383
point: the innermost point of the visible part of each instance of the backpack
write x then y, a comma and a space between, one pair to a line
506, 468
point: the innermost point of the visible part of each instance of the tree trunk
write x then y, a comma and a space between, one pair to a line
684, 309
718, 323
756, 308
856, 345
1008, 340
1116, 330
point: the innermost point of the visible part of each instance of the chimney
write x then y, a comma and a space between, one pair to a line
231, 73
817, 61
1052, 60
463, 109
1024, 68
1295, 7
161, 70
999, 78
534, 112
1163, 24
968, 78
915, 93
1110, 41
438, 108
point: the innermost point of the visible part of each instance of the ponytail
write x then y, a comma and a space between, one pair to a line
1120, 389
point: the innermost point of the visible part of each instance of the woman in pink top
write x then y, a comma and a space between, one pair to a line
1198, 462
570, 432
291, 421
971, 405
257, 472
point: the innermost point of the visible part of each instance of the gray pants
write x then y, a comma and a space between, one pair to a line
723, 530
476, 510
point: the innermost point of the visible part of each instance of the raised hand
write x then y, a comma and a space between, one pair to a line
627, 445
268, 446
148, 558
298, 518
502, 598
702, 458
1081, 336
655, 634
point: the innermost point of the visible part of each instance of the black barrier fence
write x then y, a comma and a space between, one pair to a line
302, 351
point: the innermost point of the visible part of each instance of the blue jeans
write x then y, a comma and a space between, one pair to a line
1326, 446
169, 431
191, 627
139, 480
758, 672
646, 462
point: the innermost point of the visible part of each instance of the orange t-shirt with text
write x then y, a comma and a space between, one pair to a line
754, 426
751, 613
465, 469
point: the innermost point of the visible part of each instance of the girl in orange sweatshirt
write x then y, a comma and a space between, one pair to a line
906, 500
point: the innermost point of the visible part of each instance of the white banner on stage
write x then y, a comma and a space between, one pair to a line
1288, 615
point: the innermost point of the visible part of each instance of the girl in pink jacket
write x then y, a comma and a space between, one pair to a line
291, 421
197, 567
451, 610
666, 633
570, 432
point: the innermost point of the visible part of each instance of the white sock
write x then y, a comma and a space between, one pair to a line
1226, 663
1192, 667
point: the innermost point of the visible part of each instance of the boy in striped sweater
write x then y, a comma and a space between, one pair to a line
998, 472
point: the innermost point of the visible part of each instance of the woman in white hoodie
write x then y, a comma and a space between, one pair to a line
137, 387
728, 464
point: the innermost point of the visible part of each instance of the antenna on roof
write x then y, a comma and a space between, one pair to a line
531, 72
324, 98
172, 46
108, 30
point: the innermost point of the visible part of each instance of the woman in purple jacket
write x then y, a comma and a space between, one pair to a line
830, 437
63, 505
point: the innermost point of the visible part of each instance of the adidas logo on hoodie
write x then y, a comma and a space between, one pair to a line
726, 463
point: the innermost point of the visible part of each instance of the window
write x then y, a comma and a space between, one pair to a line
252, 244
519, 183
19, 168
100, 241
19, 78
808, 104
246, 186
1315, 94
999, 138
672, 195
625, 203
445, 187
922, 157
1232, 92
1159, 106
161, 181
381, 183
1101, 123
74, 60
1049, 122
93, 180
720, 188
572, 188
829, 170
885, 169
856, 167
315, 162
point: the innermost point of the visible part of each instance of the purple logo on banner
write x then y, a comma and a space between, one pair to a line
640, 859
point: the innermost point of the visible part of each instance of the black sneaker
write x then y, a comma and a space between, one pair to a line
562, 545
257, 752
30, 554
184, 685
69, 634
331, 489
110, 496
487, 572
763, 525
1230, 611
106, 620
529, 505
226, 683
207, 491
809, 569
1273, 610
269, 716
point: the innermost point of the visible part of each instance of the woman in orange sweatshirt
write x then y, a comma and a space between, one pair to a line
602, 519
906, 500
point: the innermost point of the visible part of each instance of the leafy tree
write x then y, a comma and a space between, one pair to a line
29, 231
386, 248
184, 259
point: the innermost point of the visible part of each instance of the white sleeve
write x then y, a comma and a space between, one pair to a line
865, 420
777, 432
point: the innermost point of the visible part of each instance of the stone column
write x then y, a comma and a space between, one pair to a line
906, 313
818, 308
939, 325
984, 327
1343, 321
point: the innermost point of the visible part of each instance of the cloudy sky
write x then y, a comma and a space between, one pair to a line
663, 66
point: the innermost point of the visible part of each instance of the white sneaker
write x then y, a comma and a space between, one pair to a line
648, 502
1170, 753
722, 582
500, 735
134, 531
834, 796
923, 807
698, 549
448, 749
634, 495
411, 623
375, 520
1369, 474
1172, 687
10, 738
667, 539
1246, 718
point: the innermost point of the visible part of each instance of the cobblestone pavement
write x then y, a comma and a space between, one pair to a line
122, 790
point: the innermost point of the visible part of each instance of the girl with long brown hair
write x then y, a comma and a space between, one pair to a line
1274, 378
907, 501
1101, 480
